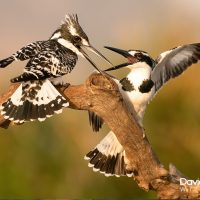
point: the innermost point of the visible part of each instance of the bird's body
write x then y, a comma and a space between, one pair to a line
137, 77
47, 60
138, 88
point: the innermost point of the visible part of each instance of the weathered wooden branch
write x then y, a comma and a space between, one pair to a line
101, 95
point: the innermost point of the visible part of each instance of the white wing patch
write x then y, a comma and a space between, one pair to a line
33, 100
16, 97
163, 55
110, 145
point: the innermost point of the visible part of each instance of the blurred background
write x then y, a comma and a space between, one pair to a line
46, 159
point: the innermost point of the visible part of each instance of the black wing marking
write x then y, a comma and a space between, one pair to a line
172, 63
29, 51
95, 121
53, 61
24, 53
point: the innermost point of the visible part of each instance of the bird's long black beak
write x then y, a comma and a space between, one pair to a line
89, 60
119, 51
117, 67
124, 53
91, 48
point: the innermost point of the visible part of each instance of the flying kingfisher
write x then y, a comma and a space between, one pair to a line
48, 61
145, 79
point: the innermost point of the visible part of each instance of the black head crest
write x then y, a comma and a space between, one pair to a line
71, 26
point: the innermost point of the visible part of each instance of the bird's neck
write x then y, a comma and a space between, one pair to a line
69, 45
139, 73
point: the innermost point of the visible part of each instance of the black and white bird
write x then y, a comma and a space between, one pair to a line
36, 97
145, 79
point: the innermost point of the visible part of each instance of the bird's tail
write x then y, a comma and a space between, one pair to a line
109, 157
7, 61
33, 100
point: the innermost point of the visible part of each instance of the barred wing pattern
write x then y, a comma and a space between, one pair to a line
172, 63
53, 61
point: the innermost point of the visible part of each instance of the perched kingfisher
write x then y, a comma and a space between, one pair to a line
36, 97
146, 77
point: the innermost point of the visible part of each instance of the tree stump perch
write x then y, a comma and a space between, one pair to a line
100, 94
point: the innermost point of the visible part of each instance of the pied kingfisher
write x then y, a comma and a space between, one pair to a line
146, 77
36, 97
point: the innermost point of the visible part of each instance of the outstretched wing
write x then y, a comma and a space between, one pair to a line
51, 62
29, 51
172, 63
24, 53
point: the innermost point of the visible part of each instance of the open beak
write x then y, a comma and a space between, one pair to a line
124, 53
91, 48
117, 67
89, 60
119, 51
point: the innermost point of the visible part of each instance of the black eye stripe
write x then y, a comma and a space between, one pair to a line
139, 55
144, 58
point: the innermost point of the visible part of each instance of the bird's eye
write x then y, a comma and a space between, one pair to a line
139, 55
76, 39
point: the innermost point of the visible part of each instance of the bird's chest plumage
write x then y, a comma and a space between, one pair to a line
63, 60
138, 79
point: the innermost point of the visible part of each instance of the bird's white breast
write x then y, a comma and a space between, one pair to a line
138, 101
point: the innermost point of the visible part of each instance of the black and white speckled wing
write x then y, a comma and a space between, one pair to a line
173, 62
53, 61
109, 157
24, 53
37, 98
33, 100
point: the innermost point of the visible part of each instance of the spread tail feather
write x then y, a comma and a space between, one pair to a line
33, 100
109, 157
95, 121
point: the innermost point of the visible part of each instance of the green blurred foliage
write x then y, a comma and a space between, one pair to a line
46, 159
